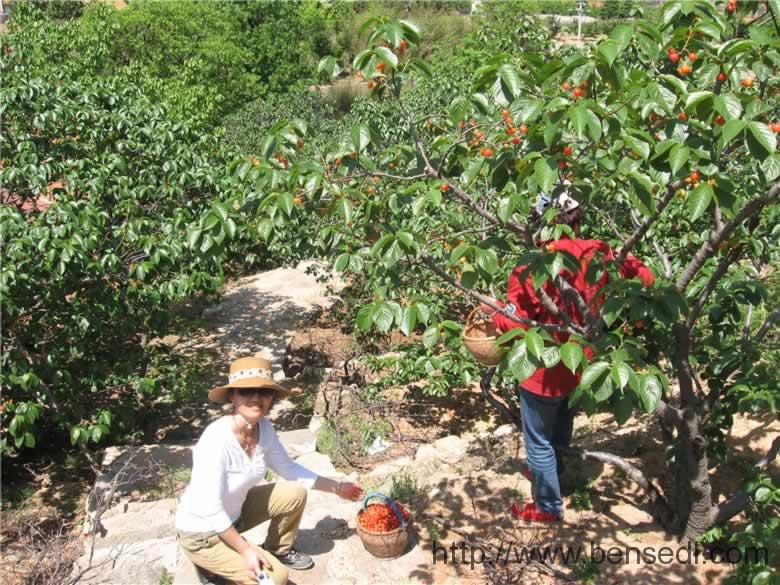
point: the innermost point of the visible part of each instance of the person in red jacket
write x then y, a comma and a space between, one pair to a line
548, 422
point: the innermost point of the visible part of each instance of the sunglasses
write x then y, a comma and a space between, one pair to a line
251, 392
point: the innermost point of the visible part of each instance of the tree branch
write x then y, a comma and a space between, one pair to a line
739, 501
708, 249
723, 267
428, 261
767, 325
647, 222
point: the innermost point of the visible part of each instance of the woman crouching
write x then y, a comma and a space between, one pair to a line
228, 494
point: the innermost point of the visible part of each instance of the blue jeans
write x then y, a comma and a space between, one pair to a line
547, 424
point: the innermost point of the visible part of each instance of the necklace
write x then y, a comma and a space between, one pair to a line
247, 443
246, 422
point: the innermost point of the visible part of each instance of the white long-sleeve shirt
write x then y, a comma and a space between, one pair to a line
223, 474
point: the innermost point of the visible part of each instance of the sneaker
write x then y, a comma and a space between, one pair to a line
530, 513
296, 560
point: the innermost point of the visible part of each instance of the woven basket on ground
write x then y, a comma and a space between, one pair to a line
479, 337
384, 545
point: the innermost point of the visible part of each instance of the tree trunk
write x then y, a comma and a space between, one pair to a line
697, 501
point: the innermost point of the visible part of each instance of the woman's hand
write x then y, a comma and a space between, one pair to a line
349, 491
254, 560
487, 309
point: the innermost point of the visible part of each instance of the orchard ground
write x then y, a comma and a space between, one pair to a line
455, 494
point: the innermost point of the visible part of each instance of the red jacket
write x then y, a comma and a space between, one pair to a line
559, 380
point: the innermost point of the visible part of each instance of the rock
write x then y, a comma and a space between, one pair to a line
138, 563
505, 431
319, 464
333, 398
298, 442
450, 449
390, 468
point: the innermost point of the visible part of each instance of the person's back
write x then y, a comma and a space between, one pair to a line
523, 301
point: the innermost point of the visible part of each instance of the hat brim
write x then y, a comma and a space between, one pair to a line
220, 393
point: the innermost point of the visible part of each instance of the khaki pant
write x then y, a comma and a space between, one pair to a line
283, 503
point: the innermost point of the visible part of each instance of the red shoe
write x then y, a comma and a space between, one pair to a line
530, 513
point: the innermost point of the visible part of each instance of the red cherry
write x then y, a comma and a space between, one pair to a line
516, 140
568, 151
692, 57
486, 152
674, 57
682, 117
720, 120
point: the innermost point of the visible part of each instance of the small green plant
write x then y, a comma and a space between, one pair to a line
404, 487
16, 497
586, 570
172, 481
165, 578
433, 530
581, 499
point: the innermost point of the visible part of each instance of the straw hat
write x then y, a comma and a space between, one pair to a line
248, 372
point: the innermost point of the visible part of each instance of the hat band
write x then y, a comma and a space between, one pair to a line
249, 373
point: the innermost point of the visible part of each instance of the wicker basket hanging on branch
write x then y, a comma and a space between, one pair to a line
479, 338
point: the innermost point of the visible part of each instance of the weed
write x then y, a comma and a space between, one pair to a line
586, 570
165, 578
172, 481
404, 487
581, 499
433, 530
16, 497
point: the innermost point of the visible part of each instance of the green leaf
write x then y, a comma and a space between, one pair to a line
771, 167
731, 129
29, 440
509, 335
74, 435
431, 337
545, 173
649, 393
341, 262
621, 374
387, 56
604, 387
409, 319
527, 109
623, 408
361, 137
763, 135
763, 494
551, 356
193, 237
678, 156
329, 66
571, 355
393, 253
699, 200
609, 50
459, 109
534, 343
510, 80
365, 317
697, 97
344, 207
383, 318
591, 372
487, 260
